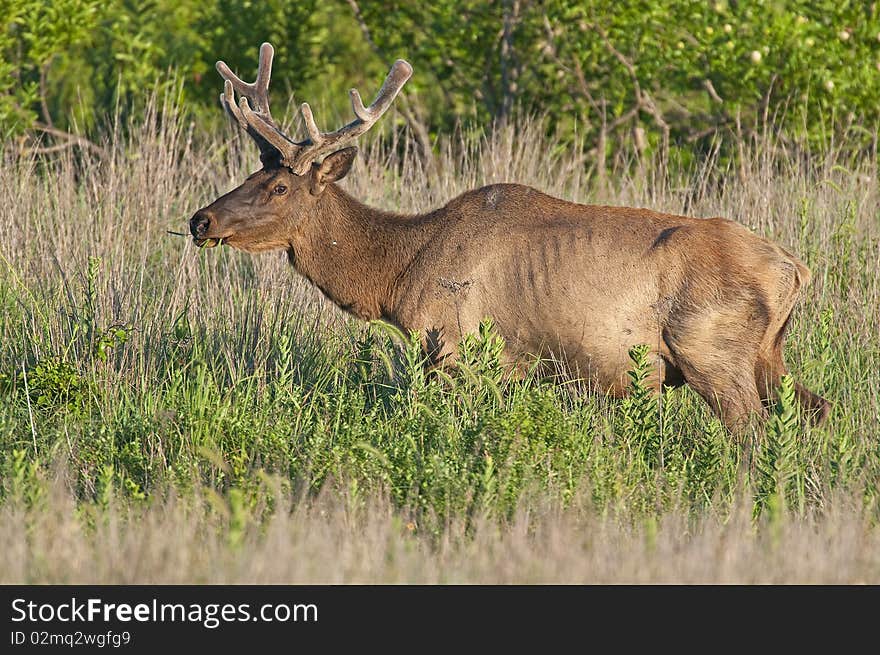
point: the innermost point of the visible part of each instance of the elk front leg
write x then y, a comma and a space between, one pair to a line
732, 395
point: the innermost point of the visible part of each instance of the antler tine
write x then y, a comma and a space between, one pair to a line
257, 91
357, 105
320, 143
315, 135
400, 72
257, 121
227, 99
266, 129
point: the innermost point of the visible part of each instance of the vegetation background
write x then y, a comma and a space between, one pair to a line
173, 415
640, 72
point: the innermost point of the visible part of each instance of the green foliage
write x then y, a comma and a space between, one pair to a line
640, 413
24, 481
54, 382
480, 364
820, 367
643, 73
76, 62
780, 481
707, 463
413, 362
679, 70
481, 353
473, 443
34, 34
232, 30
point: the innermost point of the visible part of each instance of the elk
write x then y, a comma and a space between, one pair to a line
580, 283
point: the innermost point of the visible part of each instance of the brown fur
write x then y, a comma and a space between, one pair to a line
583, 283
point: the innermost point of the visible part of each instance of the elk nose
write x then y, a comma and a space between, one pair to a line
199, 223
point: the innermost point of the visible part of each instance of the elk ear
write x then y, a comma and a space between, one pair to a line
334, 167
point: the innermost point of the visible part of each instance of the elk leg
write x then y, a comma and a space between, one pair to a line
768, 372
716, 351
724, 380
817, 407
733, 399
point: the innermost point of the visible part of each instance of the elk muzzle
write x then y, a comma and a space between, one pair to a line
199, 226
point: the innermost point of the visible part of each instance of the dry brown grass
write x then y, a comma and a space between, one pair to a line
330, 541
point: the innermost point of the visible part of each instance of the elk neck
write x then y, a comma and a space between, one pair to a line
356, 254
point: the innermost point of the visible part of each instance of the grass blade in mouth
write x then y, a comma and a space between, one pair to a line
209, 242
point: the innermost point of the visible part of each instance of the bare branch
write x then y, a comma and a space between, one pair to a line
44, 104
67, 140
365, 30
644, 101
509, 68
576, 70
626, 63
710, 89
631, 113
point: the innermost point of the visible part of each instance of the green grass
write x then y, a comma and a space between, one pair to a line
142, 378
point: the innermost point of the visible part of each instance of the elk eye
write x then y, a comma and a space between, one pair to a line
280, 190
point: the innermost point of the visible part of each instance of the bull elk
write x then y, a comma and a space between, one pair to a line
579, 282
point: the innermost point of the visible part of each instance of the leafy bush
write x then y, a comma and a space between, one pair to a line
647, 74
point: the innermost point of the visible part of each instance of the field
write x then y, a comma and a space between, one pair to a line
175, 415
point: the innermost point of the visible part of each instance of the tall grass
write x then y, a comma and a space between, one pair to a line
159, 399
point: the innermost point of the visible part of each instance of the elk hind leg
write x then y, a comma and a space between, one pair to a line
771, 367
717, 359
769, 370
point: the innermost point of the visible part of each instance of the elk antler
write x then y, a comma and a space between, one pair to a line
274, 144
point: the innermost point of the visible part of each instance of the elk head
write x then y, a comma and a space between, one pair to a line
284, 194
